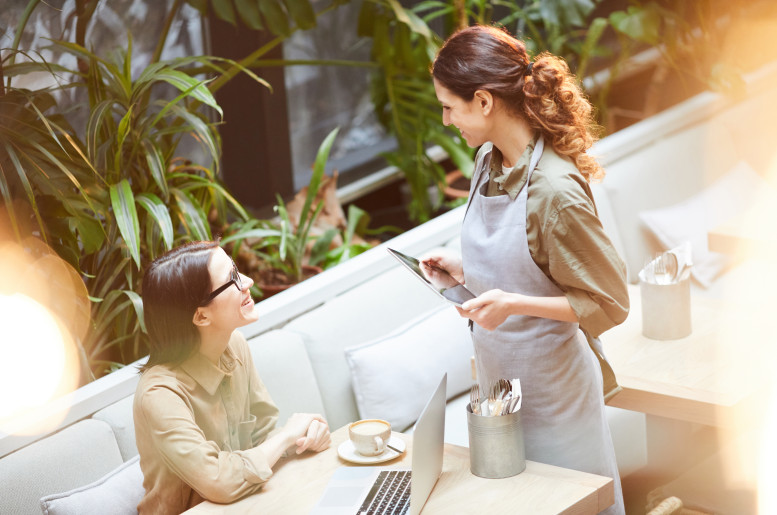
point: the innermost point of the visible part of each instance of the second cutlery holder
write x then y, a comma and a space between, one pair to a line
496, 446
666, 309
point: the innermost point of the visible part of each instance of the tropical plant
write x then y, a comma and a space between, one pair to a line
115, 192
279, 249
282, 244
112, 198
404, 46
404, 99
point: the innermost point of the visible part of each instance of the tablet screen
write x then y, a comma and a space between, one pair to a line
440, 281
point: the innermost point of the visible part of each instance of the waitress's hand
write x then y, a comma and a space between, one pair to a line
446, 259
490, 309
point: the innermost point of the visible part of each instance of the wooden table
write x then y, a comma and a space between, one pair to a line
298, 483
708, 377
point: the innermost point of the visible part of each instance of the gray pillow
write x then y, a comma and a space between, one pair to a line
118, 492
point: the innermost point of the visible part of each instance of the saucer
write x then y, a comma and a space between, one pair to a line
347, 452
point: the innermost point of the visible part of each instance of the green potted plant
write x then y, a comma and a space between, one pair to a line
280, 252
404, 46
115, 192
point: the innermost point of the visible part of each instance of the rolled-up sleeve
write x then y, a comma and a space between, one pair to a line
586, 266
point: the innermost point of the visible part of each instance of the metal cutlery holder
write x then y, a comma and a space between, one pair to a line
496, 445
666, 309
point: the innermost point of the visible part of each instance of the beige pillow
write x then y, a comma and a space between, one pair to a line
691, 219
394, 376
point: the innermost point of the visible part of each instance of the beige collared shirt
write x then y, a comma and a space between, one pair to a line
566, 239
197, 426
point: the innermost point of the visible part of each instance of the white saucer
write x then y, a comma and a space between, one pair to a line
347, 452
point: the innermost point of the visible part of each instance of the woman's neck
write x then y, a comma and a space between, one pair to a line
512, 136
213, 344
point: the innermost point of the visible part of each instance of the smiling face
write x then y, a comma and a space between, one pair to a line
233, 307
470, 117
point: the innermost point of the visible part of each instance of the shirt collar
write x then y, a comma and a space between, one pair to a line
512, 181
208, 375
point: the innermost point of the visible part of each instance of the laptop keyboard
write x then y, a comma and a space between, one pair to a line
390, 494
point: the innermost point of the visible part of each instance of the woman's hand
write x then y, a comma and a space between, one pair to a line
445, 259
490, 309
308, 432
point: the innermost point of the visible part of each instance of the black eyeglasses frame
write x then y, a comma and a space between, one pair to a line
233, 279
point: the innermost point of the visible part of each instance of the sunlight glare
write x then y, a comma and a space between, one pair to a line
32, 357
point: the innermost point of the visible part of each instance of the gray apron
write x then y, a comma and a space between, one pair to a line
563, 412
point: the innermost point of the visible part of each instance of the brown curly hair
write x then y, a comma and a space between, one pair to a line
544, 93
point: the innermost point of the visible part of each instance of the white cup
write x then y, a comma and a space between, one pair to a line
370, 436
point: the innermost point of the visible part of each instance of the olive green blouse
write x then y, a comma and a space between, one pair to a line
565, 237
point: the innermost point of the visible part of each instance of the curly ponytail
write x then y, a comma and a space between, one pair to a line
554, 103
544, 93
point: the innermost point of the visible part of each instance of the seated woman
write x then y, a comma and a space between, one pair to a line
204, 422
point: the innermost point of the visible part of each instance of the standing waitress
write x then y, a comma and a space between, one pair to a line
533, 248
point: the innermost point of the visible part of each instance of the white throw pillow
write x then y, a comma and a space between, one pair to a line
393, 376
691, 219
118, 492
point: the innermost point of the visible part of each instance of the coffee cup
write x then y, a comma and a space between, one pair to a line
370, 436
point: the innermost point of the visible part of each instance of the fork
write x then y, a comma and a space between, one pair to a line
495, 398
660, 272
474, 399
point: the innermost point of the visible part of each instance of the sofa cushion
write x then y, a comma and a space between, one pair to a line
662, 173
77, 455
394, 374
118, 492
691, 219
373, 309
119, 416
283, 365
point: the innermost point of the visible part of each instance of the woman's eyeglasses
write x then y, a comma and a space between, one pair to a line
234, 278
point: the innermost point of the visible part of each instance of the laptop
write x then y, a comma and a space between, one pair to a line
438, 280
357, 490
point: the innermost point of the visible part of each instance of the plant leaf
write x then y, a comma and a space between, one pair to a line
319, 167
123, 203
275, 17
190, 87
302, 13
91, 232
194, 218
124, 128
249, 13
224, 10
159, 212
321, 247
137, 303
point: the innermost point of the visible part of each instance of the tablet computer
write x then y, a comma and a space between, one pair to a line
438, 280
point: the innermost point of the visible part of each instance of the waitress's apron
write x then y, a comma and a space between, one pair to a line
563, 414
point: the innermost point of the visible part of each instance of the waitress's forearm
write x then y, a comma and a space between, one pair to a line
555, 308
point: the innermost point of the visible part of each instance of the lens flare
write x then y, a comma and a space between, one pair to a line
44, 311
32, 357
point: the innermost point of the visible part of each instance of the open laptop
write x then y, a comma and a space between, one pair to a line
438, 280
355, 490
